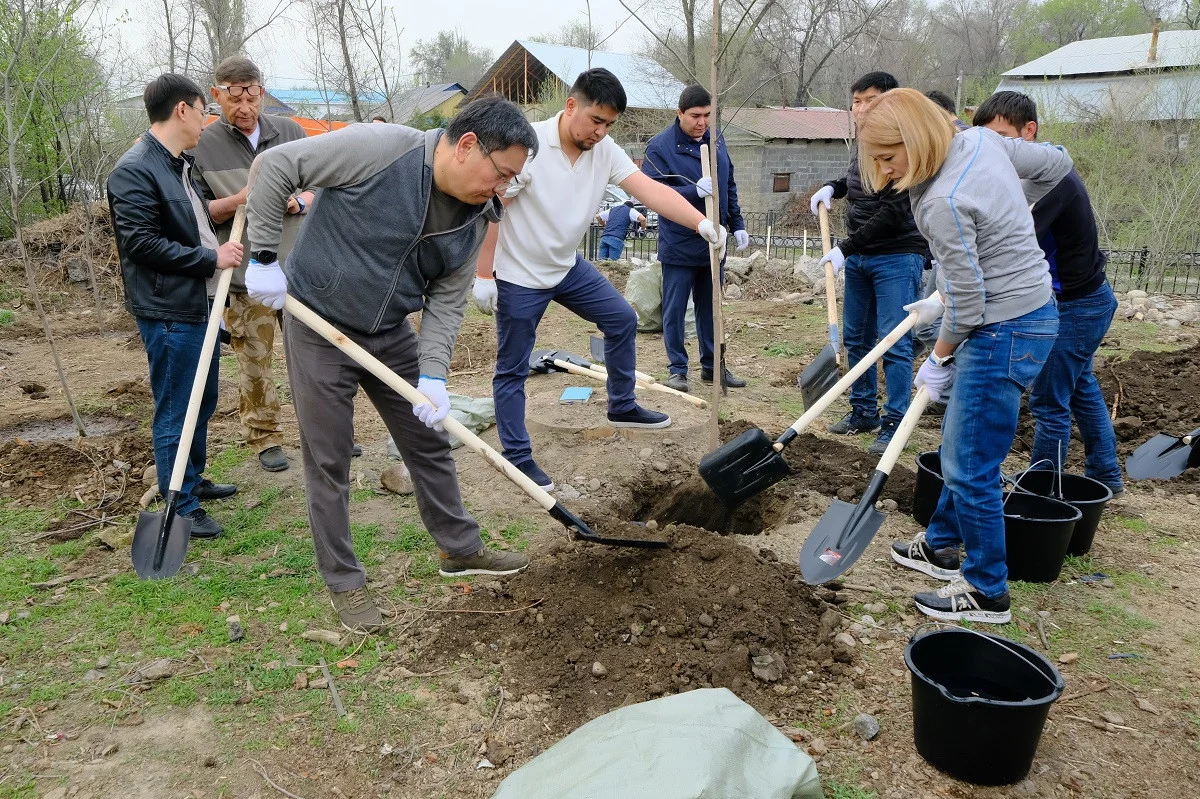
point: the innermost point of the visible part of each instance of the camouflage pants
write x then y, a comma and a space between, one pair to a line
252, 333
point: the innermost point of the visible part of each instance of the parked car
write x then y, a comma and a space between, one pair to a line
615, 195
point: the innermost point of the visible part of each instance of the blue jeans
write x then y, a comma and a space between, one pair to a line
877, 289
585, 292
679, 282
995, 365
611, 248
1068, 387
173, 350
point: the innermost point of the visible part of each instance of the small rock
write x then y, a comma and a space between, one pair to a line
594, 484
866, 726
876, 608
705, 620
646, 453
845, 639
150, 476
397, 479
767, 666
598, 669
322, 636
733, 291
845, 493
652, 525
300, 681
236, 632
7, 749
92, 675
1112, 718
111, 749
868, 620
57, 793
567, 491
889, 505
1144, 704
1068, 657
817, 747
661, 466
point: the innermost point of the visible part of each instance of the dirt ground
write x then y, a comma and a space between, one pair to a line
503, 669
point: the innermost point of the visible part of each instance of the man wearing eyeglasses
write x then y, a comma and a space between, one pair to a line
223, 157
169, 254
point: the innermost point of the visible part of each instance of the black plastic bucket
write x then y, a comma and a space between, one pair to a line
929, 486
979, 703
1037, 532
1088, 495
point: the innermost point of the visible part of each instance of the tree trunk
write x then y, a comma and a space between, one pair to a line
351, 84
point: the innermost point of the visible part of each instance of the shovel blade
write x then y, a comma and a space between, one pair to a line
580, 530
819, 376
1161, 457
743, 467
836, 543
146, 537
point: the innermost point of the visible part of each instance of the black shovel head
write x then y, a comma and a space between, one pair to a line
580, 530
146, 543
837, 542
1162, 457
542, 362
819, 376
741, 468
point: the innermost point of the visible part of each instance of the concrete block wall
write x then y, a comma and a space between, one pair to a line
810, 163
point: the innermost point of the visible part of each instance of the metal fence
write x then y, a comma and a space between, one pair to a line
1159, 273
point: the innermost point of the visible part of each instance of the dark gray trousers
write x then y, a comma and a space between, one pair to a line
324, 382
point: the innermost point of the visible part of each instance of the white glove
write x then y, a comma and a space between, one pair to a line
434, 389
928, 309
823, 195
836, 258
936, 379
266, 284
484, 293
704, 187
714, 234
742, 238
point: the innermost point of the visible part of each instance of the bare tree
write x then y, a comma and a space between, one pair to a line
191, 37
380, 35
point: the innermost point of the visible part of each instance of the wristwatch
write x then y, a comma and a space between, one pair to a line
265, 256
300, 202
936, 361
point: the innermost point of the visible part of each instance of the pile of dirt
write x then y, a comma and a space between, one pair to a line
591, 628
1155, 391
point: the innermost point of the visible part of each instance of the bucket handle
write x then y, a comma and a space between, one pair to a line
994, 640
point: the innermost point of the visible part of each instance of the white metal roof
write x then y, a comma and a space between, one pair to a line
1115, 54
647, 85
1148, 96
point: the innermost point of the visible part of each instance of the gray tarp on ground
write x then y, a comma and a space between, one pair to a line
643, 291
703, 744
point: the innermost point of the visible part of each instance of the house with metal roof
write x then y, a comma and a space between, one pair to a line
431, 100
1153, 77
778, 152
317, 104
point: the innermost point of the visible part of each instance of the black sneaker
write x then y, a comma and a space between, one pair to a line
203, 525
273, 459
535, 473
678, 382
855, 422
941, 564
886, 433
639, 417
731, 380
206, 489
959, 601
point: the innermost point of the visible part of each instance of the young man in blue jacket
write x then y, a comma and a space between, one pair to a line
673, 158
1066, 386
169, 252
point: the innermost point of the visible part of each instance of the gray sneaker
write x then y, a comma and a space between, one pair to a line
356, 610
485, 561
678, 382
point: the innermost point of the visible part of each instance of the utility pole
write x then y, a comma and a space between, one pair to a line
958, 95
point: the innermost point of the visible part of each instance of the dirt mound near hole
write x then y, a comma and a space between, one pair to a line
656, 622
1157, 395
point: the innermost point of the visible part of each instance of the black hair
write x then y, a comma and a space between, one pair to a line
378, 119
942, 99
1019, 109
598, 86
496, 122
883, 81
167, 91
694, 96
630, 203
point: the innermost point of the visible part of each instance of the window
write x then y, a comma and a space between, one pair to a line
783, 182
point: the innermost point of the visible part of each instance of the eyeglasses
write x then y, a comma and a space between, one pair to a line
503, 181
237, 91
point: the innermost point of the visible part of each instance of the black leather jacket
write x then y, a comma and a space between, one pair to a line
878, 224
163, 264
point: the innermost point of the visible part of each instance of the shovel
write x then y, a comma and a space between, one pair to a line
1164, 456
456, 428
546, 361
822, 373
845, 530
750, 463
160, 539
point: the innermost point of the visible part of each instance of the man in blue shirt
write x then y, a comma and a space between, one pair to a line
673, 158
617, 221
1066, 386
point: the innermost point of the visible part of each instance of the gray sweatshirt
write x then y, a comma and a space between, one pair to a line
371, 251
975, 215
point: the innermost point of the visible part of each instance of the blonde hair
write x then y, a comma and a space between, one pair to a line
908, 119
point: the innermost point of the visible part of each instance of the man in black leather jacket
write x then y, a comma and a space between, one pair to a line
169, 252
884, 255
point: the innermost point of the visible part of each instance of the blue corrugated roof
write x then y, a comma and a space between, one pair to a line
316, 97
647, 85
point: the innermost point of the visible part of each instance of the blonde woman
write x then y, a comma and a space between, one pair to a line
998, 328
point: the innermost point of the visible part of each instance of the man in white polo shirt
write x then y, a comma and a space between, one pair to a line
533, 259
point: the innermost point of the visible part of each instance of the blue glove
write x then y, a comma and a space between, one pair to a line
433, 412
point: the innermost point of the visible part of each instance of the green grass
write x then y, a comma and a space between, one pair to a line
1134, 525
784, 349
220, 466
7, 317
1135, 337
836, 789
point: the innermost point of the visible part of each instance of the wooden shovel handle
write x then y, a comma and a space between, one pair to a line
401, 387
642, 377
192, 415
830, 285
596, 374
916, 407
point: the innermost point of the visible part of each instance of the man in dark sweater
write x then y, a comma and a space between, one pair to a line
1066, 387
883, 257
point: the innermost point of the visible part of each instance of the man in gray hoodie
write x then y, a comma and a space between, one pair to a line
396, 227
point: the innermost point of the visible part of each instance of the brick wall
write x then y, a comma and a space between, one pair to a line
810, 163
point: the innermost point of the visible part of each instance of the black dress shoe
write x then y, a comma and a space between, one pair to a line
731, 380
203, 525
356, 451
272, 459
206, 489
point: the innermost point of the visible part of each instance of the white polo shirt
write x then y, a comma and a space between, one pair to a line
554, 202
